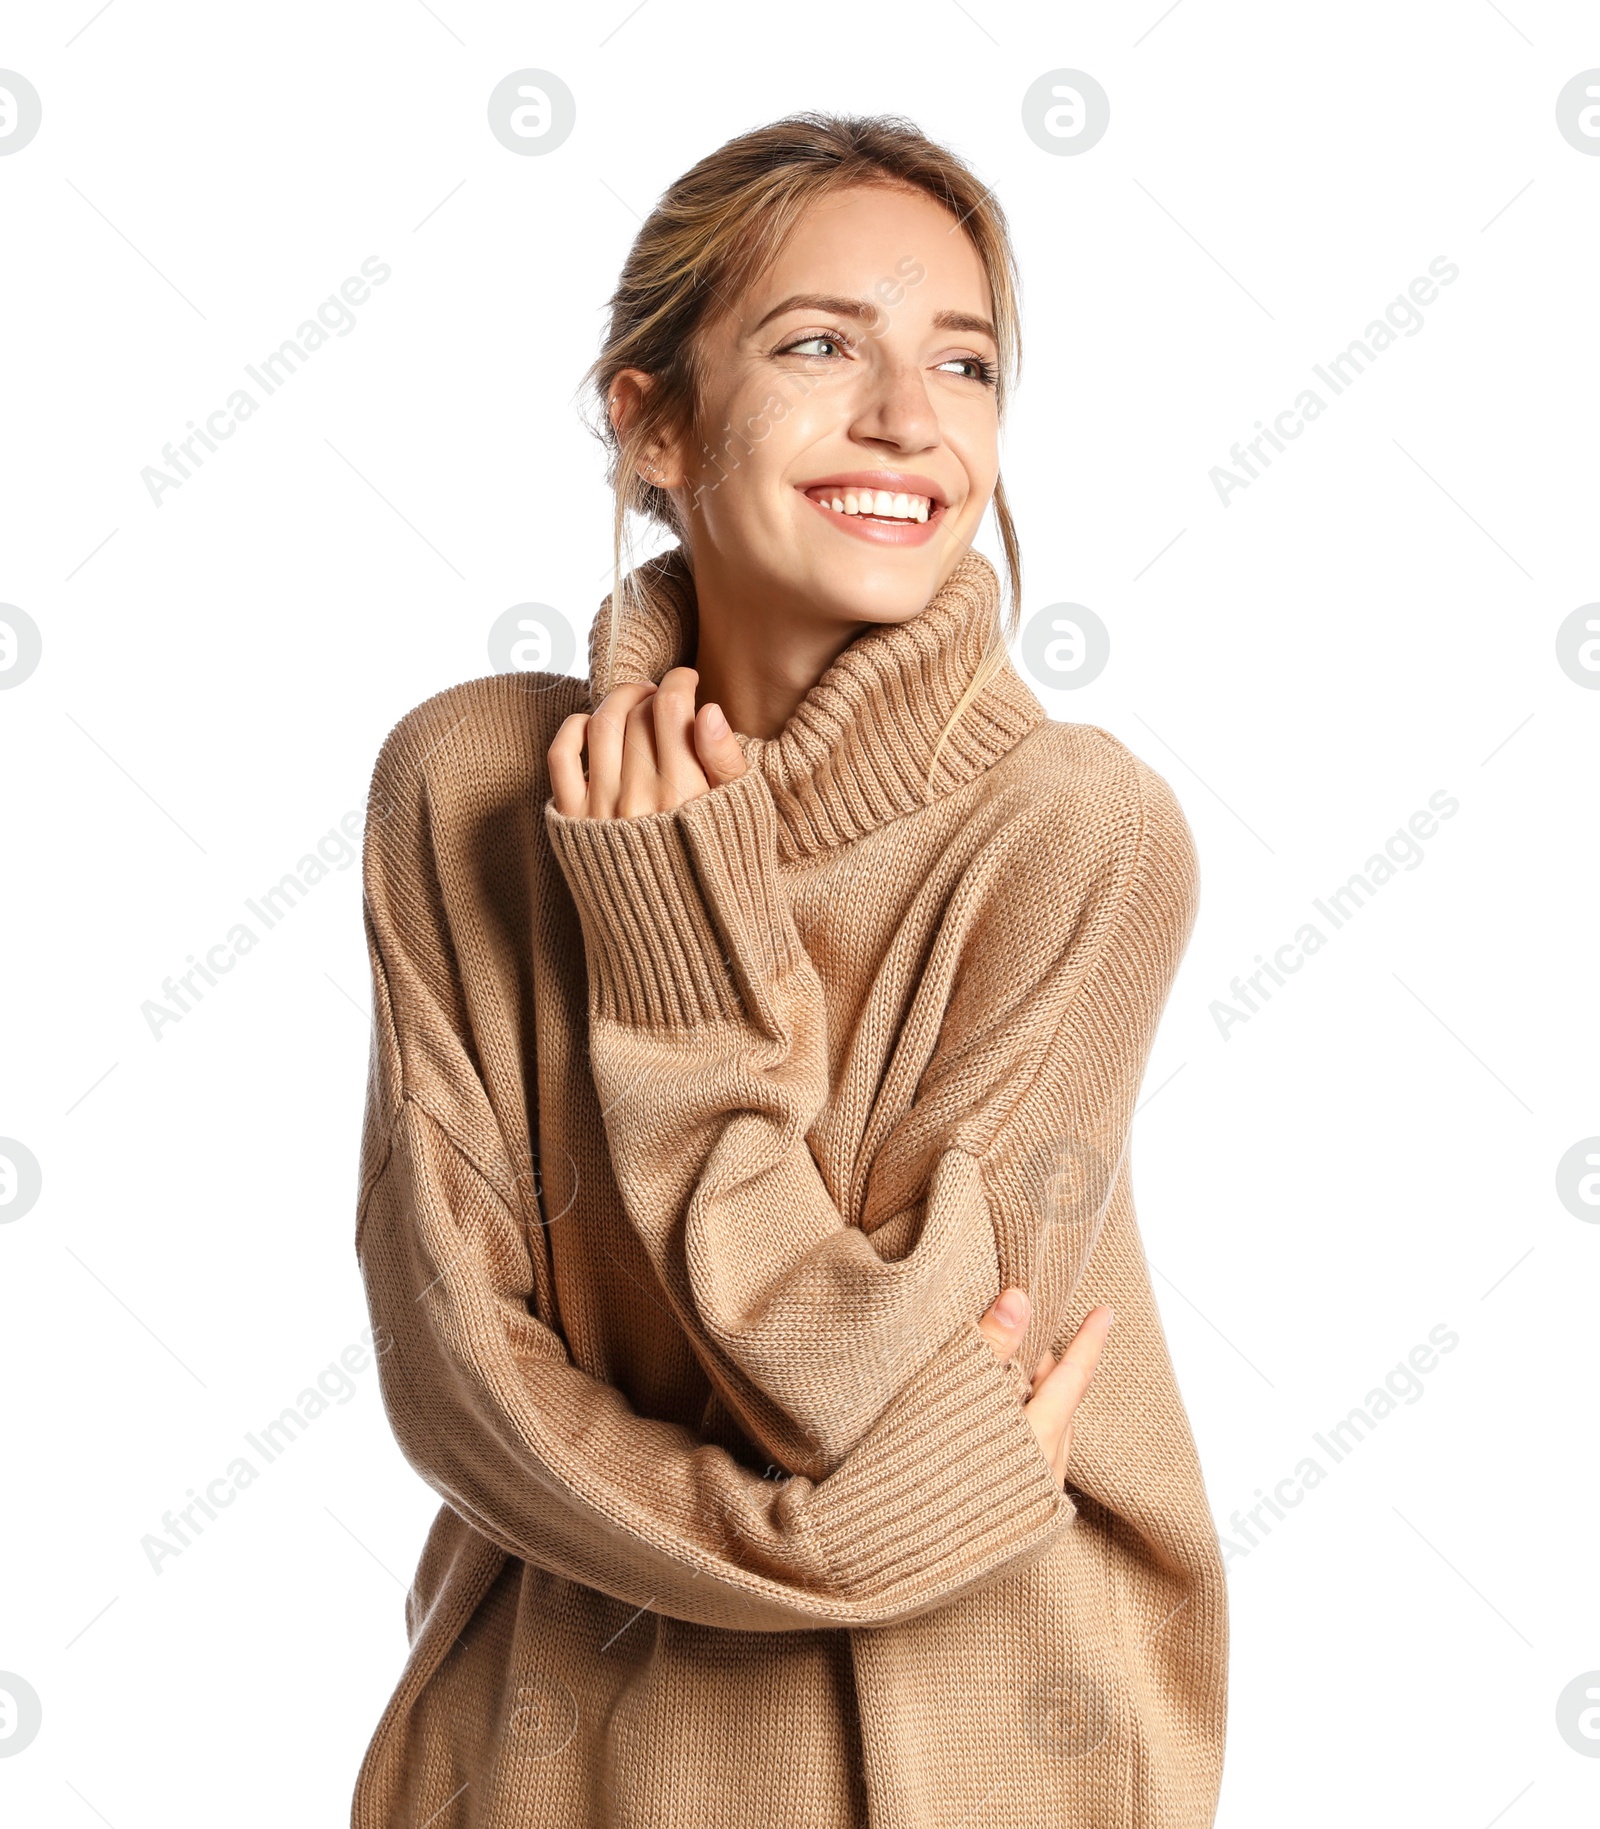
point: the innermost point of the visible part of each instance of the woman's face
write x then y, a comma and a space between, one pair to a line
863, 360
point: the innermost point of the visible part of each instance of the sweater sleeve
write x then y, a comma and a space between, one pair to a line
946, 1493
996, 1137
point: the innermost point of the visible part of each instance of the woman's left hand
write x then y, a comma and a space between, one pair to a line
649, 751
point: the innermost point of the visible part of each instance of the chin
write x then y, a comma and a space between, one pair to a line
874, 586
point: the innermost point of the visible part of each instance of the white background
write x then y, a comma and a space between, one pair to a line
1371, 1155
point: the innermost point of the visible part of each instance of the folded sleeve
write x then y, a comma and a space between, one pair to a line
995, 1138
946, 1492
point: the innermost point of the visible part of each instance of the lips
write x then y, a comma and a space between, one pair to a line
887, 497
886, 507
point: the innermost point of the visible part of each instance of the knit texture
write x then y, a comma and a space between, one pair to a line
695, 1144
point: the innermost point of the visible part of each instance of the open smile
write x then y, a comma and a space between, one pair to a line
888, 507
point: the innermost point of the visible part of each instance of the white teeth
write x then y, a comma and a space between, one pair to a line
898, 506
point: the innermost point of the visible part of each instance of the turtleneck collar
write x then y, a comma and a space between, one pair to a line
856, 750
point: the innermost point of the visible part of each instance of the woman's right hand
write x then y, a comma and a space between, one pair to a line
1058, 1384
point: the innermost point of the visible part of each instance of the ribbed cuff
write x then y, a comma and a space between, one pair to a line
950, 1485
684, 917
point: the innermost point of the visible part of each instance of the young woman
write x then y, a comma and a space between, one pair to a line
755, 1022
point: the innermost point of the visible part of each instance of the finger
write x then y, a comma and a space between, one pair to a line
717, 746
567, 785
607, 735
1066, 1448
1043, 1369
641, 787
1062, 1391
673, 707
1004, 1327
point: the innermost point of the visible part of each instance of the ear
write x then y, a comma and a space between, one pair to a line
629, 386
660, 462
655, 470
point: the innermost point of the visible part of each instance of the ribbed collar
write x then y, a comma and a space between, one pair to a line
856, 750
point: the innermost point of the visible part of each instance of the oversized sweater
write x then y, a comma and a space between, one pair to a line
696, 1143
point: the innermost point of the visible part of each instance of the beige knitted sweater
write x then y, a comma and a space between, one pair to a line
695, 1145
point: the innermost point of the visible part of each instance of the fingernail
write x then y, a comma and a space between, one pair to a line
1012, 1307
716, 723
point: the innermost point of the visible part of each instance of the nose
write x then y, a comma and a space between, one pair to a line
895, 411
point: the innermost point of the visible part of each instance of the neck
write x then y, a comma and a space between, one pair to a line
859, 745
759, 666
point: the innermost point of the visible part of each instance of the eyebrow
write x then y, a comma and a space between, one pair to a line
867, 313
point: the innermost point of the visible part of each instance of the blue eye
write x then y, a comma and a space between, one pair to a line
987, 373
817, 336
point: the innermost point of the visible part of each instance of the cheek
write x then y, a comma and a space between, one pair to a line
762, 466
973, 437
785, 422
750, 432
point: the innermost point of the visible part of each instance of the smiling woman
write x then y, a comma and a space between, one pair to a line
758, 1027
861, 367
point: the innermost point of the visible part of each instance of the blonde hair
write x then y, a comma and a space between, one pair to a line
715, 230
